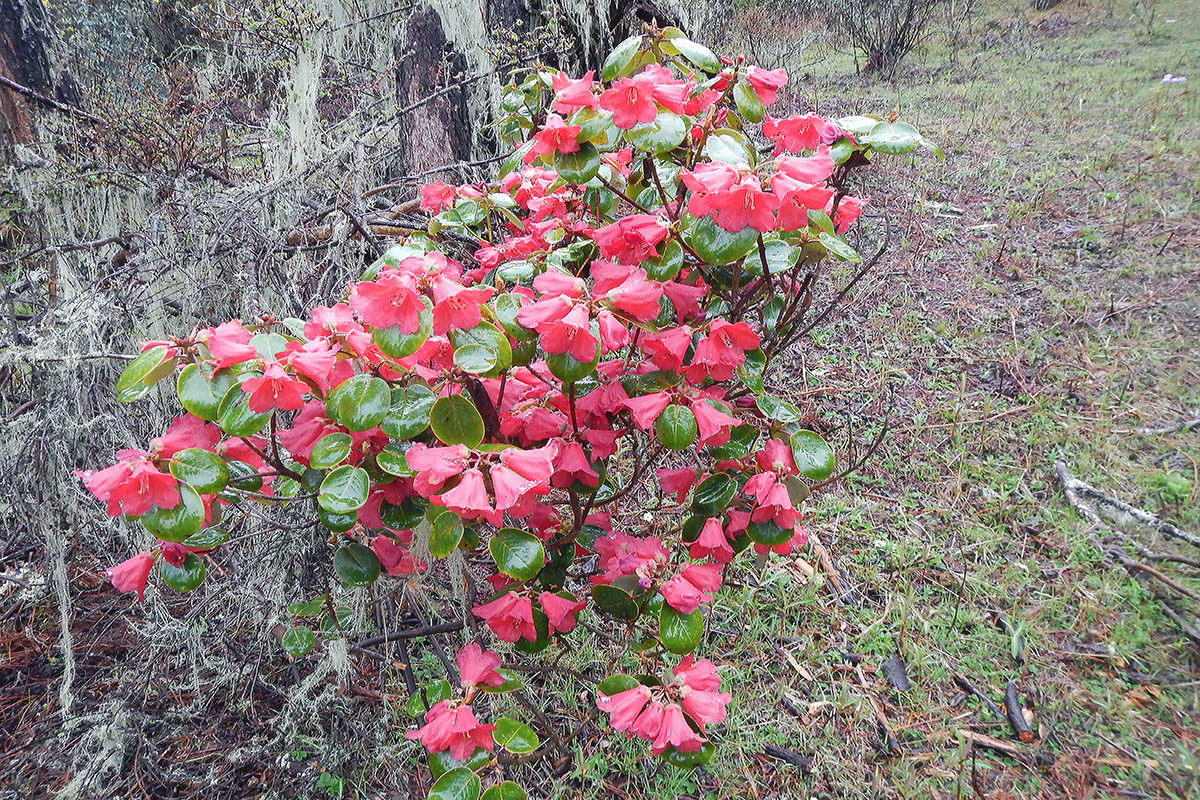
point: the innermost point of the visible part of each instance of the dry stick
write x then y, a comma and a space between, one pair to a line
1144, 517
890, 742
51, 102
999, 745
1185, 425
826, 562
1016, 715
969, 688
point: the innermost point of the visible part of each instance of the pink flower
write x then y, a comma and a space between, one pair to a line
435, 465
745, 205
455, 306
712, 423
573, 465
766, 82
637, 296
395, 558
712, 543
132, 486
776, 456
477, 667
469, 499
571, 95
228, 344
723, 350
795, 133
700, 675
667, 349
647, 408
692, 587
131, 575
275, 389
676, 481
631, 239
510, 617
630, 101
773, 501
390, 299
454, 728
436, 196
848, 211
674, 731
555, 137
805, 171
314, 360
621, 554
560, 611
183, 433
571, 335
623, 708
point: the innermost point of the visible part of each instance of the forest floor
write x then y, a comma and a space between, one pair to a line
1040, 303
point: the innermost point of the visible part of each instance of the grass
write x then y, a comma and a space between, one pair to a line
1043, 301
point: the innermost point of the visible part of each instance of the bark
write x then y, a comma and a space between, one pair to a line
25, 44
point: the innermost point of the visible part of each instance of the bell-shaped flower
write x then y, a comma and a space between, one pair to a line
477, 667
571, 335
510, 617
132, 486
766, 82
713, 424
711, 543
451, 726
572, 95
556, 136
275, 389
674, 731
130, 575
469, 499
389, 300
435, 465
560, 611
455, 307
624, 707
228, 344
692, 587
647, 408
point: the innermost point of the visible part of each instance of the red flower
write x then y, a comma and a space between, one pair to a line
722, 351
805, 171
469, 499
314, 360
510, 616
455, 306
623, 708
637, 296
795, 133
555, 137
712, 543
766, 82
676, 481
133, 486
435, 465
395, 558
436, 196
571, 95
453, 727
848, 211
674, 731
185, 432
647, 408
745, 205
631, 239
712, 423
275, 389
228, 344
131, 575
631, 101
692, 587
477, 667
573, 465
560, 611
390, 299
571, 334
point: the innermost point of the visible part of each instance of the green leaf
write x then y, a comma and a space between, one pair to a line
244, 478
393, 460
781, 257
207, 539
476, 359
506, 307
615, 684
568, 370
308, 608
615, 601
203, 470
813, 455
405, 516
666, 266
441, 762
714, 493
201, 395
298, 640
517, 554
698, 54
514, 736
330, 450
511, 683
620, 57
580, 166
726, 148
445, 532
142, 372
838, 248
435, 692
344, 490
718, 246
768, 533
337, 522
360, 402
751, 370
489, 336
185, 577
661, 135
401, 345
268, 344
459, 783
749, 104
356, 564
689, 760
893, 138
507, 790
455, 420
859, 126
676, 427
178, 523
774, 408
679, 633
234, 414
840, 152
741, 443
409, 414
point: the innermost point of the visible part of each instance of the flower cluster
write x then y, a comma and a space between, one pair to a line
590, 329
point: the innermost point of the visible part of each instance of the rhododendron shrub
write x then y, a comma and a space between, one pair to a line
594, 324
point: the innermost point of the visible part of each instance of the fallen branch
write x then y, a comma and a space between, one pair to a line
1016, 714
999, 745
1185, 425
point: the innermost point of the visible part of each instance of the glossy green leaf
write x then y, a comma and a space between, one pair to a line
178, 523
679, 633
768, 533
620, 57
344, 490
142, 372
337, 522
434, 693
207, 538
393, 460
401, 345
689, 760
666, 266
234, 414
488, 336
330, 450
476, 359
506, 307
360, 402
185, 577
506, 790
676, 427
718, 246
568, 370
356, 564
893, 138
615, 684
580, 166
813, 455
459, 783
201, 395
441, 762
742, 440
698, 54
514, 736
838, 247
615, 601
751, 370
517, 554
409, 414
512, 682
749, 104
445, 532
663, 134
298, 640
726, 148
774, 408
243, 477
455, 420
203, 470
713, 494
